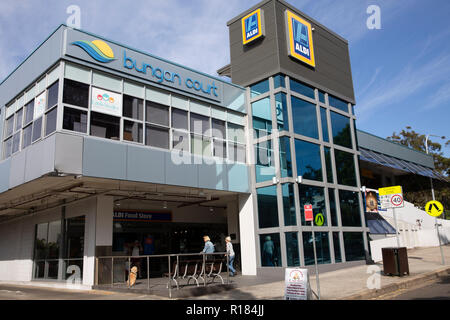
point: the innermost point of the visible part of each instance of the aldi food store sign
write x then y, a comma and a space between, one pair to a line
299, 38
252, 26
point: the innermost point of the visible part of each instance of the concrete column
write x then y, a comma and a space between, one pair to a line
247, 235
233, 219
104, 225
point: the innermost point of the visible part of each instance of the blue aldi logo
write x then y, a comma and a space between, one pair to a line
299, 38
252, 27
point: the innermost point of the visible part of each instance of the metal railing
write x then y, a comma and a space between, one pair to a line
198, 267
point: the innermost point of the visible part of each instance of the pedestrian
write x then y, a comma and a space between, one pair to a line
268, 251
209, 247
231, 255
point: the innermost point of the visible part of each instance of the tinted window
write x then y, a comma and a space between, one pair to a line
157, 113
76, 93
279, 81
259, 88
290, 218
350, 210
308, 160
267, 207
105, 126
133, 107
218, 128
50, 122
9, 126
199, 124
354, 246
337, 103
180, 140
236, 152
37, 129
337, 247
328, 164
265, 164
345, 168
292, 256
19, 119
314, 196
157, 137
304, 118
179, 119
302, 89
285, 157
26, 136
52, 95
322, 247
75, 120
333, 212
132, 131
323, 119
270, 250
282, 113
341, 130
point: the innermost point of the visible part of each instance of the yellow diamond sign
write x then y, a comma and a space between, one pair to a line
434, 208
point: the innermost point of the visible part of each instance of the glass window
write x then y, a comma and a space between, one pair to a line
354, 246
341, 130
350, 210
345, 168
302, 89
52, 95
7, 148
29, 112
132, 131
285, 157
304, 118
270, 250
199, 124
220, 148
323, 120
200, 145
26, 138
262, 117
133, 107
321, 96
50, 121
282, 113
75, 120
16, 143
259, 88
337, 103
322, 248
236, 133
265, 164
333, 212
105, 126
308, 160
9, 126
337, 247
157, 137
279, 81
218, 129
37, 129
290, 218
327, 152
267, 207
19, 119
157, 113
180, 140
236, 152
292, 255
314, 196
179, 119
76, 93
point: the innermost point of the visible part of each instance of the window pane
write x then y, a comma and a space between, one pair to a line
308, 160
270, 250
50, 124
200, 145
314, 196
29, 112
157, 113
333, 212
236, 133
75, 120
76, 93
321, 96
322, 247
354, 246
327, 152
133, 107
304, 118
337, 103
157, 137
105, 126
218, 129
199, 124
16, 143
220, 148
285, 157
9, 126
350, 210
337, 247
292, 256
52, 95
262, 117
289, 204
345, 168
180, 140
179, 119
267, 207
259, 88
37, 129
323, 119
279, 81
132, 131
19, 119
7, 148
265, 164
302, 89
282, 113
341, 130
236, 152
26, 139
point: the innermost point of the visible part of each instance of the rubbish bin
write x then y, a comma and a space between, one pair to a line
395, 261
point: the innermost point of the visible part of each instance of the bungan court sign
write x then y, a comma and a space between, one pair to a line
299, 38
252, 26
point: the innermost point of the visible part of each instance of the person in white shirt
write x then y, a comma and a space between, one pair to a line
231, 254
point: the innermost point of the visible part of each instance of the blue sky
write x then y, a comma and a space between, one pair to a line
401, 73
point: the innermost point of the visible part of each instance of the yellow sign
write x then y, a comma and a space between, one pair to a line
434, 208
299, 38
252, 27
319, 220
390, 190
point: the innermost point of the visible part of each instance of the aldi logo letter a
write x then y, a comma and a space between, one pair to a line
252, 27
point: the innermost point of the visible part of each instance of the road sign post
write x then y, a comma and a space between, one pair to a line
391, 198
435, 208
310, 217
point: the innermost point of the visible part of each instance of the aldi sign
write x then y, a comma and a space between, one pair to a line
299, 38
252, 26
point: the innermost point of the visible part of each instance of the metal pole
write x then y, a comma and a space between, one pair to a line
112, 272
129, 271
170, 282
148, 273
228, 269
204, 269
396, 228
315, 260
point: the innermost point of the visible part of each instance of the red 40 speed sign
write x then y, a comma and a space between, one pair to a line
391, 197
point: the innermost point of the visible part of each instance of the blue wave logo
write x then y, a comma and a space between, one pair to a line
97, 49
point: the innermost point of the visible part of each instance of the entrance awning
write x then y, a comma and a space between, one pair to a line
402, 165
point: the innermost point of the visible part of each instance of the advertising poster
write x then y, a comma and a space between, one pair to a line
106, 102
296, 284
371, 202
39, 105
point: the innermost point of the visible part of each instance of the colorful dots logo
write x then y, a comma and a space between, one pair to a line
97, 49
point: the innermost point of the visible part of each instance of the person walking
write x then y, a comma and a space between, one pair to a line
209, 247
231, 255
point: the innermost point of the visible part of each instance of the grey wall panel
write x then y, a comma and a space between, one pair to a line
145, 164
4, 175
17, 175
104, 158
69, 153
36, 64
213, 176
238, 177
181, 174
40, 158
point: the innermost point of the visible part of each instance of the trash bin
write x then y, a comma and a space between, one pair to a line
395, 261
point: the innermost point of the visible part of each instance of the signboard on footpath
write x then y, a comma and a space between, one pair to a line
297, 284
391, 197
